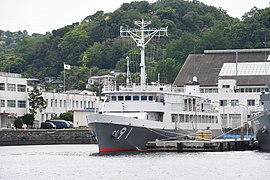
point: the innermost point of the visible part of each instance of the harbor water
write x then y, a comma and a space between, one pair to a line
83, 162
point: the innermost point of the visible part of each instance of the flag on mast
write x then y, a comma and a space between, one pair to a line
66, 66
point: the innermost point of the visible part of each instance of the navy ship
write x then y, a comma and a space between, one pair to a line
132, 115
261, 123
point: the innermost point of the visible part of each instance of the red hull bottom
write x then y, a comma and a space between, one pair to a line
102, 150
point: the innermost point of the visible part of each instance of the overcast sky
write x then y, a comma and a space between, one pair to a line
41, 16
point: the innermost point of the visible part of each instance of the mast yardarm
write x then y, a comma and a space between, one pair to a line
142, 36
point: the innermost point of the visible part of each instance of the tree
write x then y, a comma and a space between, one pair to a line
36, 101
28, 119
18, 123
168, 69
68, 116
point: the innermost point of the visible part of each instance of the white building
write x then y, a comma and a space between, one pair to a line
14, 100
58, 103
232, 79
235, 108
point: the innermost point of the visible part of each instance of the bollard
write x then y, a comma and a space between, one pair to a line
221, 146
242, 145
229, 146
179, 147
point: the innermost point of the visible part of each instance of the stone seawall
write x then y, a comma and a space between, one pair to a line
43, 137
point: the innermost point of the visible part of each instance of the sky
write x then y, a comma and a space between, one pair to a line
41, 16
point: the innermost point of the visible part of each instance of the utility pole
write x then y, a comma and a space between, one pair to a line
141, 37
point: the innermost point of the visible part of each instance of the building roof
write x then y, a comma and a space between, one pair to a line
207, 67
245, 69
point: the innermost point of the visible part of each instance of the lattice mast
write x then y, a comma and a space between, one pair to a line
128, 79
142, 36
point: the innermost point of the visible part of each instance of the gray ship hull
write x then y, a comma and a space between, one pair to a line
117, 137
261, 128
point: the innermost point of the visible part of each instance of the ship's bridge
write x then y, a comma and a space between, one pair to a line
132, 101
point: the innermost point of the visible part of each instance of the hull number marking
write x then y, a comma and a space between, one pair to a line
119, 133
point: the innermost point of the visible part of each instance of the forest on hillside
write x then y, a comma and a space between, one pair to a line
94, 47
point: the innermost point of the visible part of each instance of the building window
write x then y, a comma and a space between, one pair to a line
11, 87
55, 102
225, 86
251, 102
2, 86
223, 102
65, 103
174, 118
21, 88
235, 102
21, 104
51, 102
234, 120
60, 103
11, 103
2, 103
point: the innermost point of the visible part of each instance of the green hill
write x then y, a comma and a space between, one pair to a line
94, 45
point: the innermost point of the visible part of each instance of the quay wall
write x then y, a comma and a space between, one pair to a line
45, 137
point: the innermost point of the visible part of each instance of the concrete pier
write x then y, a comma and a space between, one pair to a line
202, 146
10, 137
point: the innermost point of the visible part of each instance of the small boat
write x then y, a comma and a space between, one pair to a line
132, 115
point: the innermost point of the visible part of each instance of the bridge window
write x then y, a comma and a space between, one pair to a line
144, 98
113, 98
127, 98
120, 98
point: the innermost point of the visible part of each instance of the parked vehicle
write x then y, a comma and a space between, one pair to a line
47, 125
60, 124
71, 124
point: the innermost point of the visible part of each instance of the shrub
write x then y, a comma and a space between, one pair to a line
18, 123
28, 119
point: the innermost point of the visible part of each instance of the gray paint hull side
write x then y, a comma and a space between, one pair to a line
261, 128
116, 137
